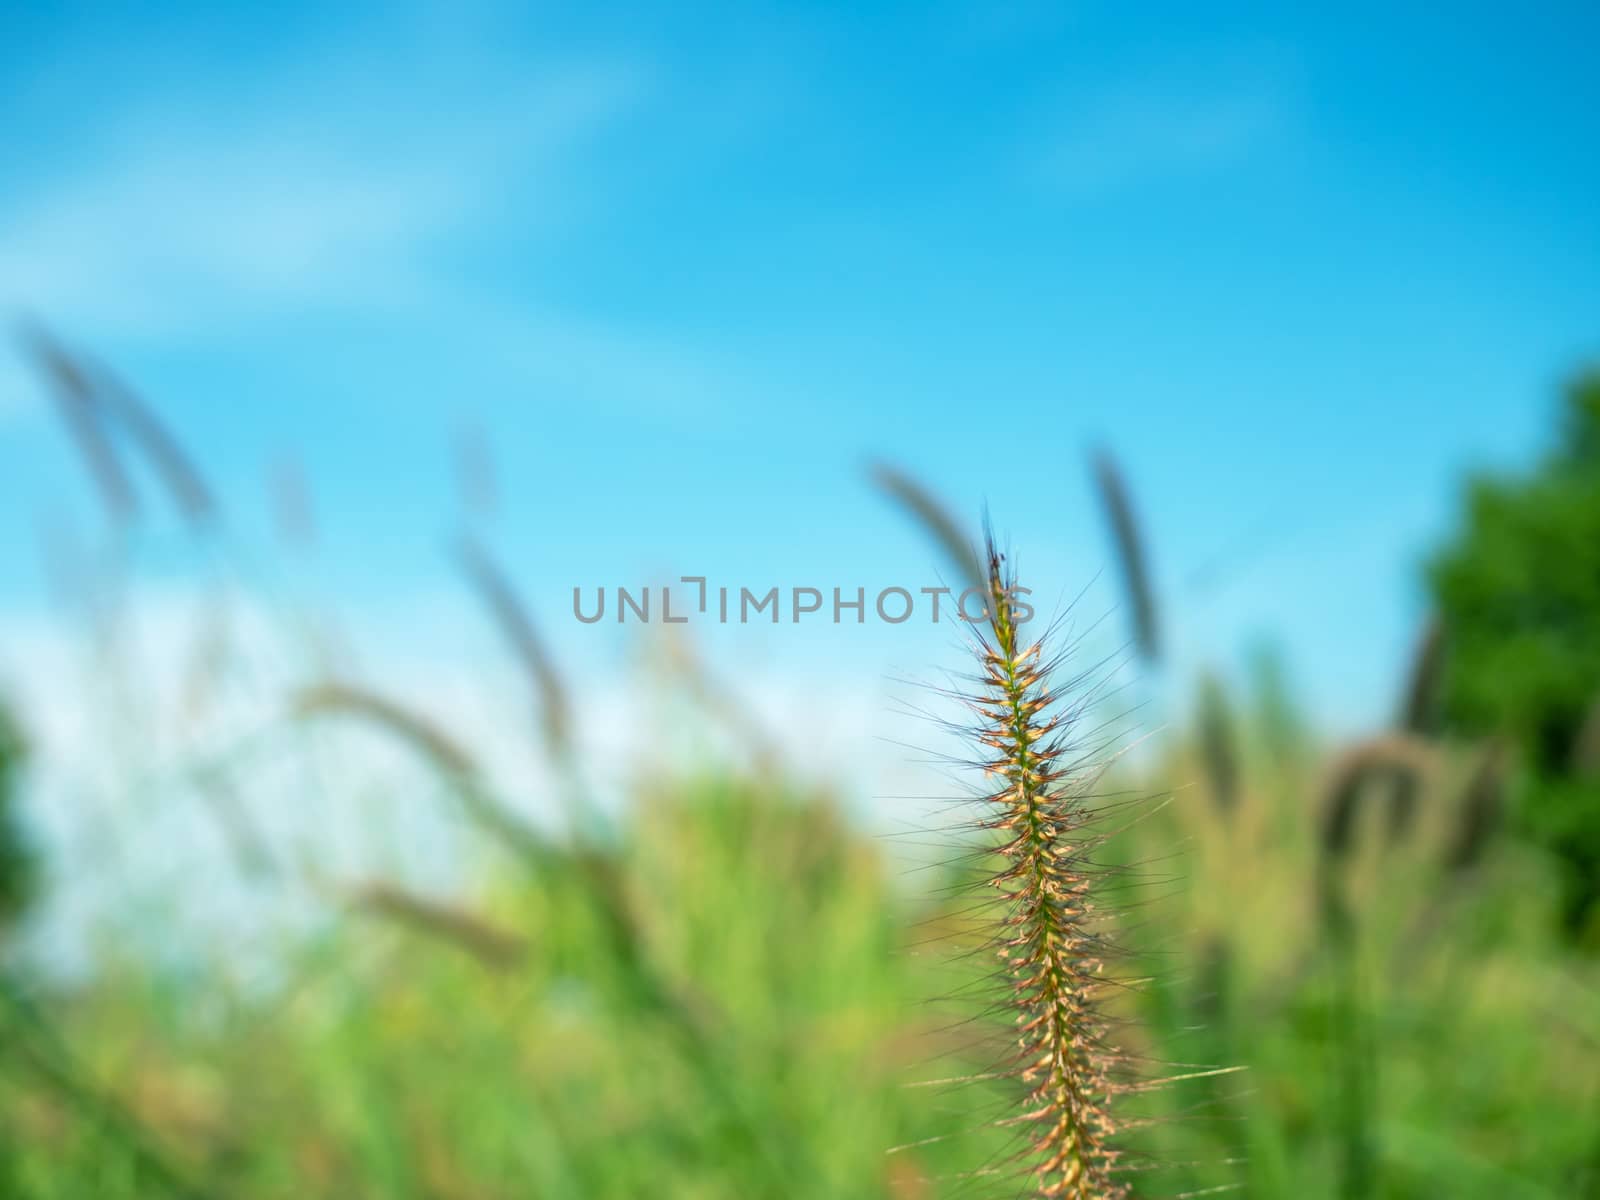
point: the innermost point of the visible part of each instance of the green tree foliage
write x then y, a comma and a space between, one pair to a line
16, 866
1518, 592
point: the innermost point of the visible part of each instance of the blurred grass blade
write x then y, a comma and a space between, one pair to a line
410, 726
1129, 545
172, 464
515, 622
78, 403
720, 701
294, 516
1387, 756
1420, 704
492, 945
1219, 743
1482, 804
934, 518
437, 747
29, 1035
1586, 745
250, 850
89, 397
475, 473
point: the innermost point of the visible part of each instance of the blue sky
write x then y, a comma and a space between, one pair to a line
691, 267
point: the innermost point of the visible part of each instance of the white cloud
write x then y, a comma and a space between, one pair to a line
173, 224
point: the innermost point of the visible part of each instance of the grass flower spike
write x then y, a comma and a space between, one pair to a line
1052, 957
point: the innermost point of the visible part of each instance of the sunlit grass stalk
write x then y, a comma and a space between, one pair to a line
1052, 958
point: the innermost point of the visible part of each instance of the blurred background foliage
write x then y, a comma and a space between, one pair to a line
1518, 594
733, 986
16, 864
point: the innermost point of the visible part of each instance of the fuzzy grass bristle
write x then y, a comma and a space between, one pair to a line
1052, 955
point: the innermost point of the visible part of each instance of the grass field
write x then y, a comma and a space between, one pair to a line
737, 979
736, 990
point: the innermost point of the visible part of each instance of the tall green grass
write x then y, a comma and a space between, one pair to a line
733, 988
1438, 1043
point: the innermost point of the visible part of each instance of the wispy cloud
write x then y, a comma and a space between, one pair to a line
336, 186
176, 228
1152, 127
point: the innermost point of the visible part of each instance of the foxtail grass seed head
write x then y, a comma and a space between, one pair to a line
1419, 706
447, 755
91, 401
492, 945
1129, 543
926, 509
494, 587
172, 464
1052, 955
1482, 805
1395, 757
77, 402
1219, 753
